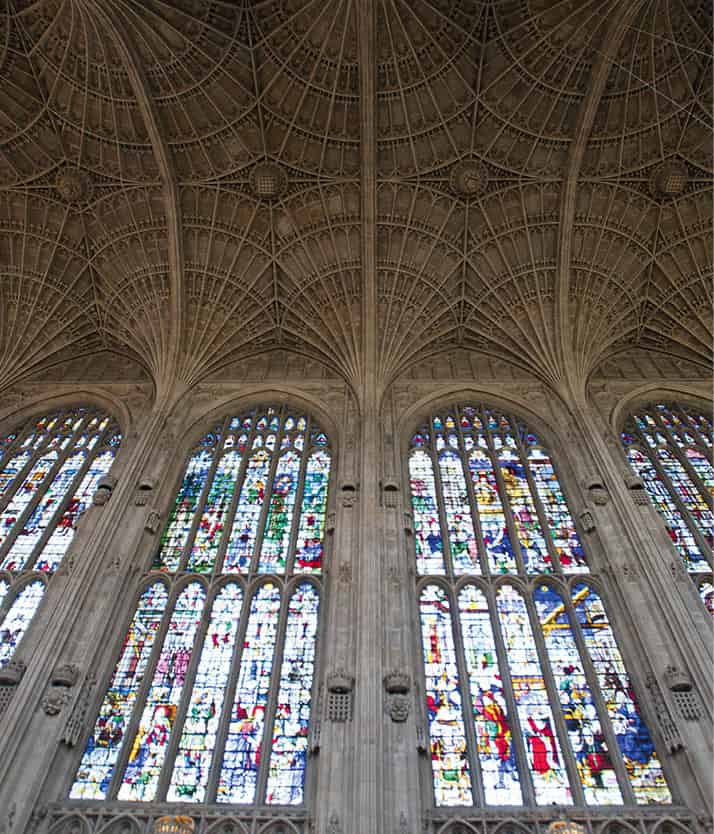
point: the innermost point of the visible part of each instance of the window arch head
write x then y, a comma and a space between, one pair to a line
669, 446
486, 498
224, 634
253, 497
50, 468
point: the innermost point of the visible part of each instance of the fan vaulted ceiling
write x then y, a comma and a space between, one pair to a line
187, 182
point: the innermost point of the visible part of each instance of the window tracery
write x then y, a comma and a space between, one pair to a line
669, 447
50, 468
528, 700
210, 700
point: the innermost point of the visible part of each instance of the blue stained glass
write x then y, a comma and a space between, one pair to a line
703, 467
677, 528
560, 523
61, 538
104, 745
427, 528
37, 522
247, 517
278, 526
25, 493
499, 768
198, 740
286, 774
150, 745
311, 529
587, 740
210, 526
462, 539
239, 771
692, 500
181, 519
545, 759
18, 618
536, 558
449, 759
493, 520
12, 468
633, 738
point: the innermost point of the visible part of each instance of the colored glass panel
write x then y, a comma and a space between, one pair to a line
274, 550
427, 529
150, 744
534, 549
286, 775
677, 528
180, 521
494, 528
61, 538
18, 618
499, 769
462, 539
210, 526
560, 522
36, 523
702, 466
449, 759
105, 743
12, 469
25, 494
241, 759
545, 759
587, 740
706, 592
198, 740
633, 738
691, 498
245, 524
311, 530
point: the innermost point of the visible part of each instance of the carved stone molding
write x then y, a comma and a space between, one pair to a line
596, 490
268, 180
153, 522
74, 185
340, 687
587, 520
468, 178
65, 675
11, 674
54, 701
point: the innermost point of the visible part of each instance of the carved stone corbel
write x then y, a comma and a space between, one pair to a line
11, 674
397, 685
105, 488
153, 522
596, 490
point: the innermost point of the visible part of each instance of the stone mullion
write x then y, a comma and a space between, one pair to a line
687, 517
146, 682
596, 693
441, 509
266, 743
467, 710
307, 450
275, 456
233, 506
473, 506
538, 504
62, 456
551, 687
678, 453
186, 693
201, 505
657, 602
506, 505
61, 507
214, 772
514, 720
7, 496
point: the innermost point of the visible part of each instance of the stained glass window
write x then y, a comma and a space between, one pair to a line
225, 650
669, 447
50, 468
520, 671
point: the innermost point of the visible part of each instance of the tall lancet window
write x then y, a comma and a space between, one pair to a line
211, 696
670, 448
528, 701
50, 468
